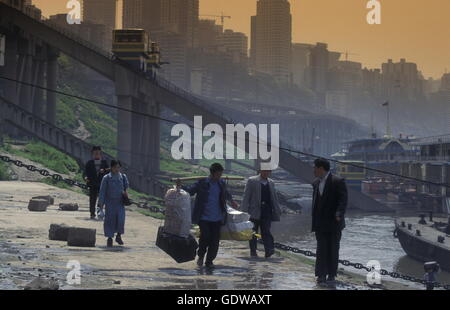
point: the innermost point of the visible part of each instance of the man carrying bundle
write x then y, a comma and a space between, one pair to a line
210, 212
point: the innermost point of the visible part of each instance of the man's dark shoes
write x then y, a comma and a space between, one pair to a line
253, 254
321, 281
92, 216
200, 261
209, 265
109, 243
331, 280
269, 253
119, 239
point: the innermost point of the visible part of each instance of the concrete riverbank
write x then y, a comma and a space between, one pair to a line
26, 253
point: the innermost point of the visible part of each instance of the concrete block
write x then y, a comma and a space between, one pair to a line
49, 199
83, 237
68, 206
38, 205
58, 232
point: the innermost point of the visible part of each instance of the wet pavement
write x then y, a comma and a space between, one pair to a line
26, 253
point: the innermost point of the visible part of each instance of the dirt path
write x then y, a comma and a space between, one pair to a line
26, 252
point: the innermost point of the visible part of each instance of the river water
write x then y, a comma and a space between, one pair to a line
366, 237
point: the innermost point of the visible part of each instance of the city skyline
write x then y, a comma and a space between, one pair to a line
410, 29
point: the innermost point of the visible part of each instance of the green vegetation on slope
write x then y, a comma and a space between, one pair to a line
46, 155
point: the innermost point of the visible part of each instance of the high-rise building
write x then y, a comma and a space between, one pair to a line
300, 58
271, 39
175, 16
445, 82
319, 60
235, 44
25, 6
208, 34
101, 12
171, 23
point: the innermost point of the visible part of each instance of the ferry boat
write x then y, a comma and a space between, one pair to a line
425, 240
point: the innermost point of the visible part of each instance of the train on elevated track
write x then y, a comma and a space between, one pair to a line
135, 47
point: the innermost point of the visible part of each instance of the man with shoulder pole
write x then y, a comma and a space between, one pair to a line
261, 202
328, 211
210, 212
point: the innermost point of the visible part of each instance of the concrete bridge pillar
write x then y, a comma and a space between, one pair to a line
10, 69
124, 129
52, 75
227, 165
156, 137
37, 94
25, 71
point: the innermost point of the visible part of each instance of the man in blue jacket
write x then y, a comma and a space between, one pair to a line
210, 212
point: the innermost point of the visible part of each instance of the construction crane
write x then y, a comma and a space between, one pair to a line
222, 18
346, 53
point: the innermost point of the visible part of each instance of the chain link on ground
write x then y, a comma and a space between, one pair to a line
59, 178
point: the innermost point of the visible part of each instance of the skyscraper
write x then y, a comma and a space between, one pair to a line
234, 43
175, 16
272, 37
299, 58
101, 12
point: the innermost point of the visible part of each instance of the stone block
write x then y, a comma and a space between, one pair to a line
58, 232
38, 205
68, 206
82, 237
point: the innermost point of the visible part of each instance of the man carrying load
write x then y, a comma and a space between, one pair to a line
209, 212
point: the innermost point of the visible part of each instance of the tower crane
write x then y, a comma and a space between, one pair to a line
222, 17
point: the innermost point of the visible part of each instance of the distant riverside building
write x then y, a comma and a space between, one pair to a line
401, 79
271, 39
101, 12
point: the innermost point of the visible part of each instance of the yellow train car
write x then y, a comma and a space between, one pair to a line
131, 46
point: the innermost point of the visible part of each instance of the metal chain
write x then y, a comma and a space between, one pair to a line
360, 266
59, 178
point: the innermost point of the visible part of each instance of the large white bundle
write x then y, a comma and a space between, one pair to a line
235, 216
238, 227
178, 212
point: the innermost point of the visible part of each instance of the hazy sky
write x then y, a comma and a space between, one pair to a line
417, 30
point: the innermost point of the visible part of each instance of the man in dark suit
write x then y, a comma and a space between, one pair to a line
329, 205
94, 171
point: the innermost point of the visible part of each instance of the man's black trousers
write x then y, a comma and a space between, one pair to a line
327, 258
209, 240
264, 225
93, 195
